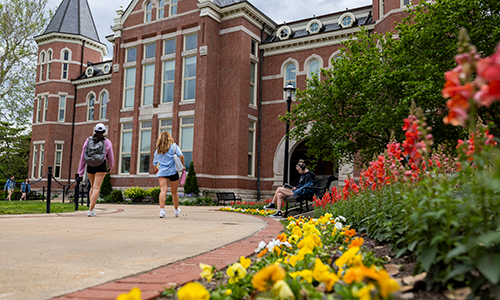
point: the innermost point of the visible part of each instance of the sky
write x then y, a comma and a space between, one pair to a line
104, 11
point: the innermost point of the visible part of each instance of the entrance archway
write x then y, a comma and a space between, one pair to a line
322, 168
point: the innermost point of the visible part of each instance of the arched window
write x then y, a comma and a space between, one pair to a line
42, 66
65, 64
313, 68
173, 7
104, 104
48, 65
161, 9
149, 8
290, 74
90, 107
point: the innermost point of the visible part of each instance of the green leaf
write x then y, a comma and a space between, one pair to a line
489, 266
460, 270
456, 251
489, 238
427, 257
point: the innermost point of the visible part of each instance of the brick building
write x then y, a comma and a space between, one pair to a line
211, 72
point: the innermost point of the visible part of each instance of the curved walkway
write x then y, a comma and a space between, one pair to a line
71, 256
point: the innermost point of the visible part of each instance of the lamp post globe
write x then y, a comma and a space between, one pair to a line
289, 90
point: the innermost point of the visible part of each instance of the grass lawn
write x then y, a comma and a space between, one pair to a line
36, 207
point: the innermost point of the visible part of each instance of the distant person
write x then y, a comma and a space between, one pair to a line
306, 180
25, 189
10, 185
167, 174
97, 155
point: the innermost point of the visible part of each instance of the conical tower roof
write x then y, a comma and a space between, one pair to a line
74, 17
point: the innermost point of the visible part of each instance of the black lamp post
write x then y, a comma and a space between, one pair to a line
289, 90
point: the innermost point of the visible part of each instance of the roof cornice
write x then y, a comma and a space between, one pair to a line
92, 81
50, 37
250, 13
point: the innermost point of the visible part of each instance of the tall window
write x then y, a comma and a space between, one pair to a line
126, 149
149, 8
169, 47
145, 147
251, 148
57, 161
161, 9
90, 107
186, 139
129, 94
190, 42
149, 51
166, 125
131, 54
290, 75
148, 84
253, 48
49, 64
65, 65
39, 110
168, 81
382, 7
45, 108
35, 162
313, 68
42, 150
173, 7
42, 66
62, 108
189, 83
253, 73
104, 105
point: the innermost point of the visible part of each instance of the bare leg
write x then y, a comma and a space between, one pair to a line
163, 190
173, 189
95, 183
282, 193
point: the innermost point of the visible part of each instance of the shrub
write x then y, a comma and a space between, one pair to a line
136, 193
154, 192
191, 185
116, 196
106, 186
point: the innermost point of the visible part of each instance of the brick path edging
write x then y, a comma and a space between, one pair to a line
181, 272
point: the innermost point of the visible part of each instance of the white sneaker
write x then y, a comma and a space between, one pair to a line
177, 212
91, 214
162, 214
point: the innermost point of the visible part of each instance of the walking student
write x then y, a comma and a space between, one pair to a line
167, 174
97, 155
10, 185
25, 189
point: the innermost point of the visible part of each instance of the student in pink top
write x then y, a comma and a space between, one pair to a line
96, 174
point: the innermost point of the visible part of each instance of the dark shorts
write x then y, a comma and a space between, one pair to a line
99, 169
174, 177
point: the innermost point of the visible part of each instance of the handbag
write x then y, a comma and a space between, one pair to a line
178, 164
183, 177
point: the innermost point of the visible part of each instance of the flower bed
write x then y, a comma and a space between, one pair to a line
252, 211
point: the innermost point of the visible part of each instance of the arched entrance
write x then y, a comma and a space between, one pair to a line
322, 168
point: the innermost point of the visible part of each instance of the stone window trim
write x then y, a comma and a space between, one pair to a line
284, 33
102, 105
148, 14
347, 20
89, 108
314, 26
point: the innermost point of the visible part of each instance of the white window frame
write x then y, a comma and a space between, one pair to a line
39, 111
146, 125
45, 108
42, 66
148, 85
183, 126
165, 126
148, 13
103, 106
125, 130
56, 163
184, 78
188, 36
309, 72
165, 46
173, 6
164, 82
127, 54
146, 46
161, 8
65, 64
89, 108
286, 80
129, 88
62, 108
34, 163
49, 64
40, 165
381, 8
253, 85
251, 152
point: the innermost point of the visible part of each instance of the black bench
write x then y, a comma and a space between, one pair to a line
226, 197
321, 185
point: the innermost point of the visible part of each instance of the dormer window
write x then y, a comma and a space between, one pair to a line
314, 26
284, 33
347, 20
149, 9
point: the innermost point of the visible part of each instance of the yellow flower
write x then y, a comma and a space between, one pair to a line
236, 272
364, 293
386, 284
310, 229
245, 262
322, 273
303, 252
353, 274
207, 272
297, 231
193, 291
307, 275
310, 242
228, 292
357, 242
267, 276
290, 225
292, 260
346, 257
262, 253
277, 250
293, 239
281, 290
134, 294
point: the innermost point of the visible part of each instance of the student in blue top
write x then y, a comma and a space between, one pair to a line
25, 189
167, 175
10, 185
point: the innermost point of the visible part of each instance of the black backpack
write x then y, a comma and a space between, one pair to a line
95, 152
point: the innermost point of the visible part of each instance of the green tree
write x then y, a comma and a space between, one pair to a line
361, 102
191, 184
20, 22
14, 150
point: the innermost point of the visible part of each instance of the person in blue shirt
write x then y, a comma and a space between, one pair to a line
25, 189
167, 174
10, 185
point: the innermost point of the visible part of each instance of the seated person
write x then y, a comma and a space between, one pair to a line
306, 180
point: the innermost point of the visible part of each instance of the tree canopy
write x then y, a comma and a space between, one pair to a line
355, 107
20, 22
14, 151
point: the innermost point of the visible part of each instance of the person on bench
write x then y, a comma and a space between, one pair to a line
305, 181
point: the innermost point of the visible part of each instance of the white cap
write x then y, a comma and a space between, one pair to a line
100, 127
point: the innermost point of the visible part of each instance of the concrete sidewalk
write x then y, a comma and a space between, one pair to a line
45, 256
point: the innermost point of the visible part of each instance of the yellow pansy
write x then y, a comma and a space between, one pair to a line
303, 252
346, 257
297, 231
353, 274
236, 272
245, 262
134, 294
228, 292
193, 291
310, 242
266, 277
292, 260
307, 275
293, 239
281, 290
291, 225
364, 293
207, 272
322, 273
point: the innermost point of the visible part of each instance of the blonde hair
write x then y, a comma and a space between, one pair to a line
164, 142
302, 165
